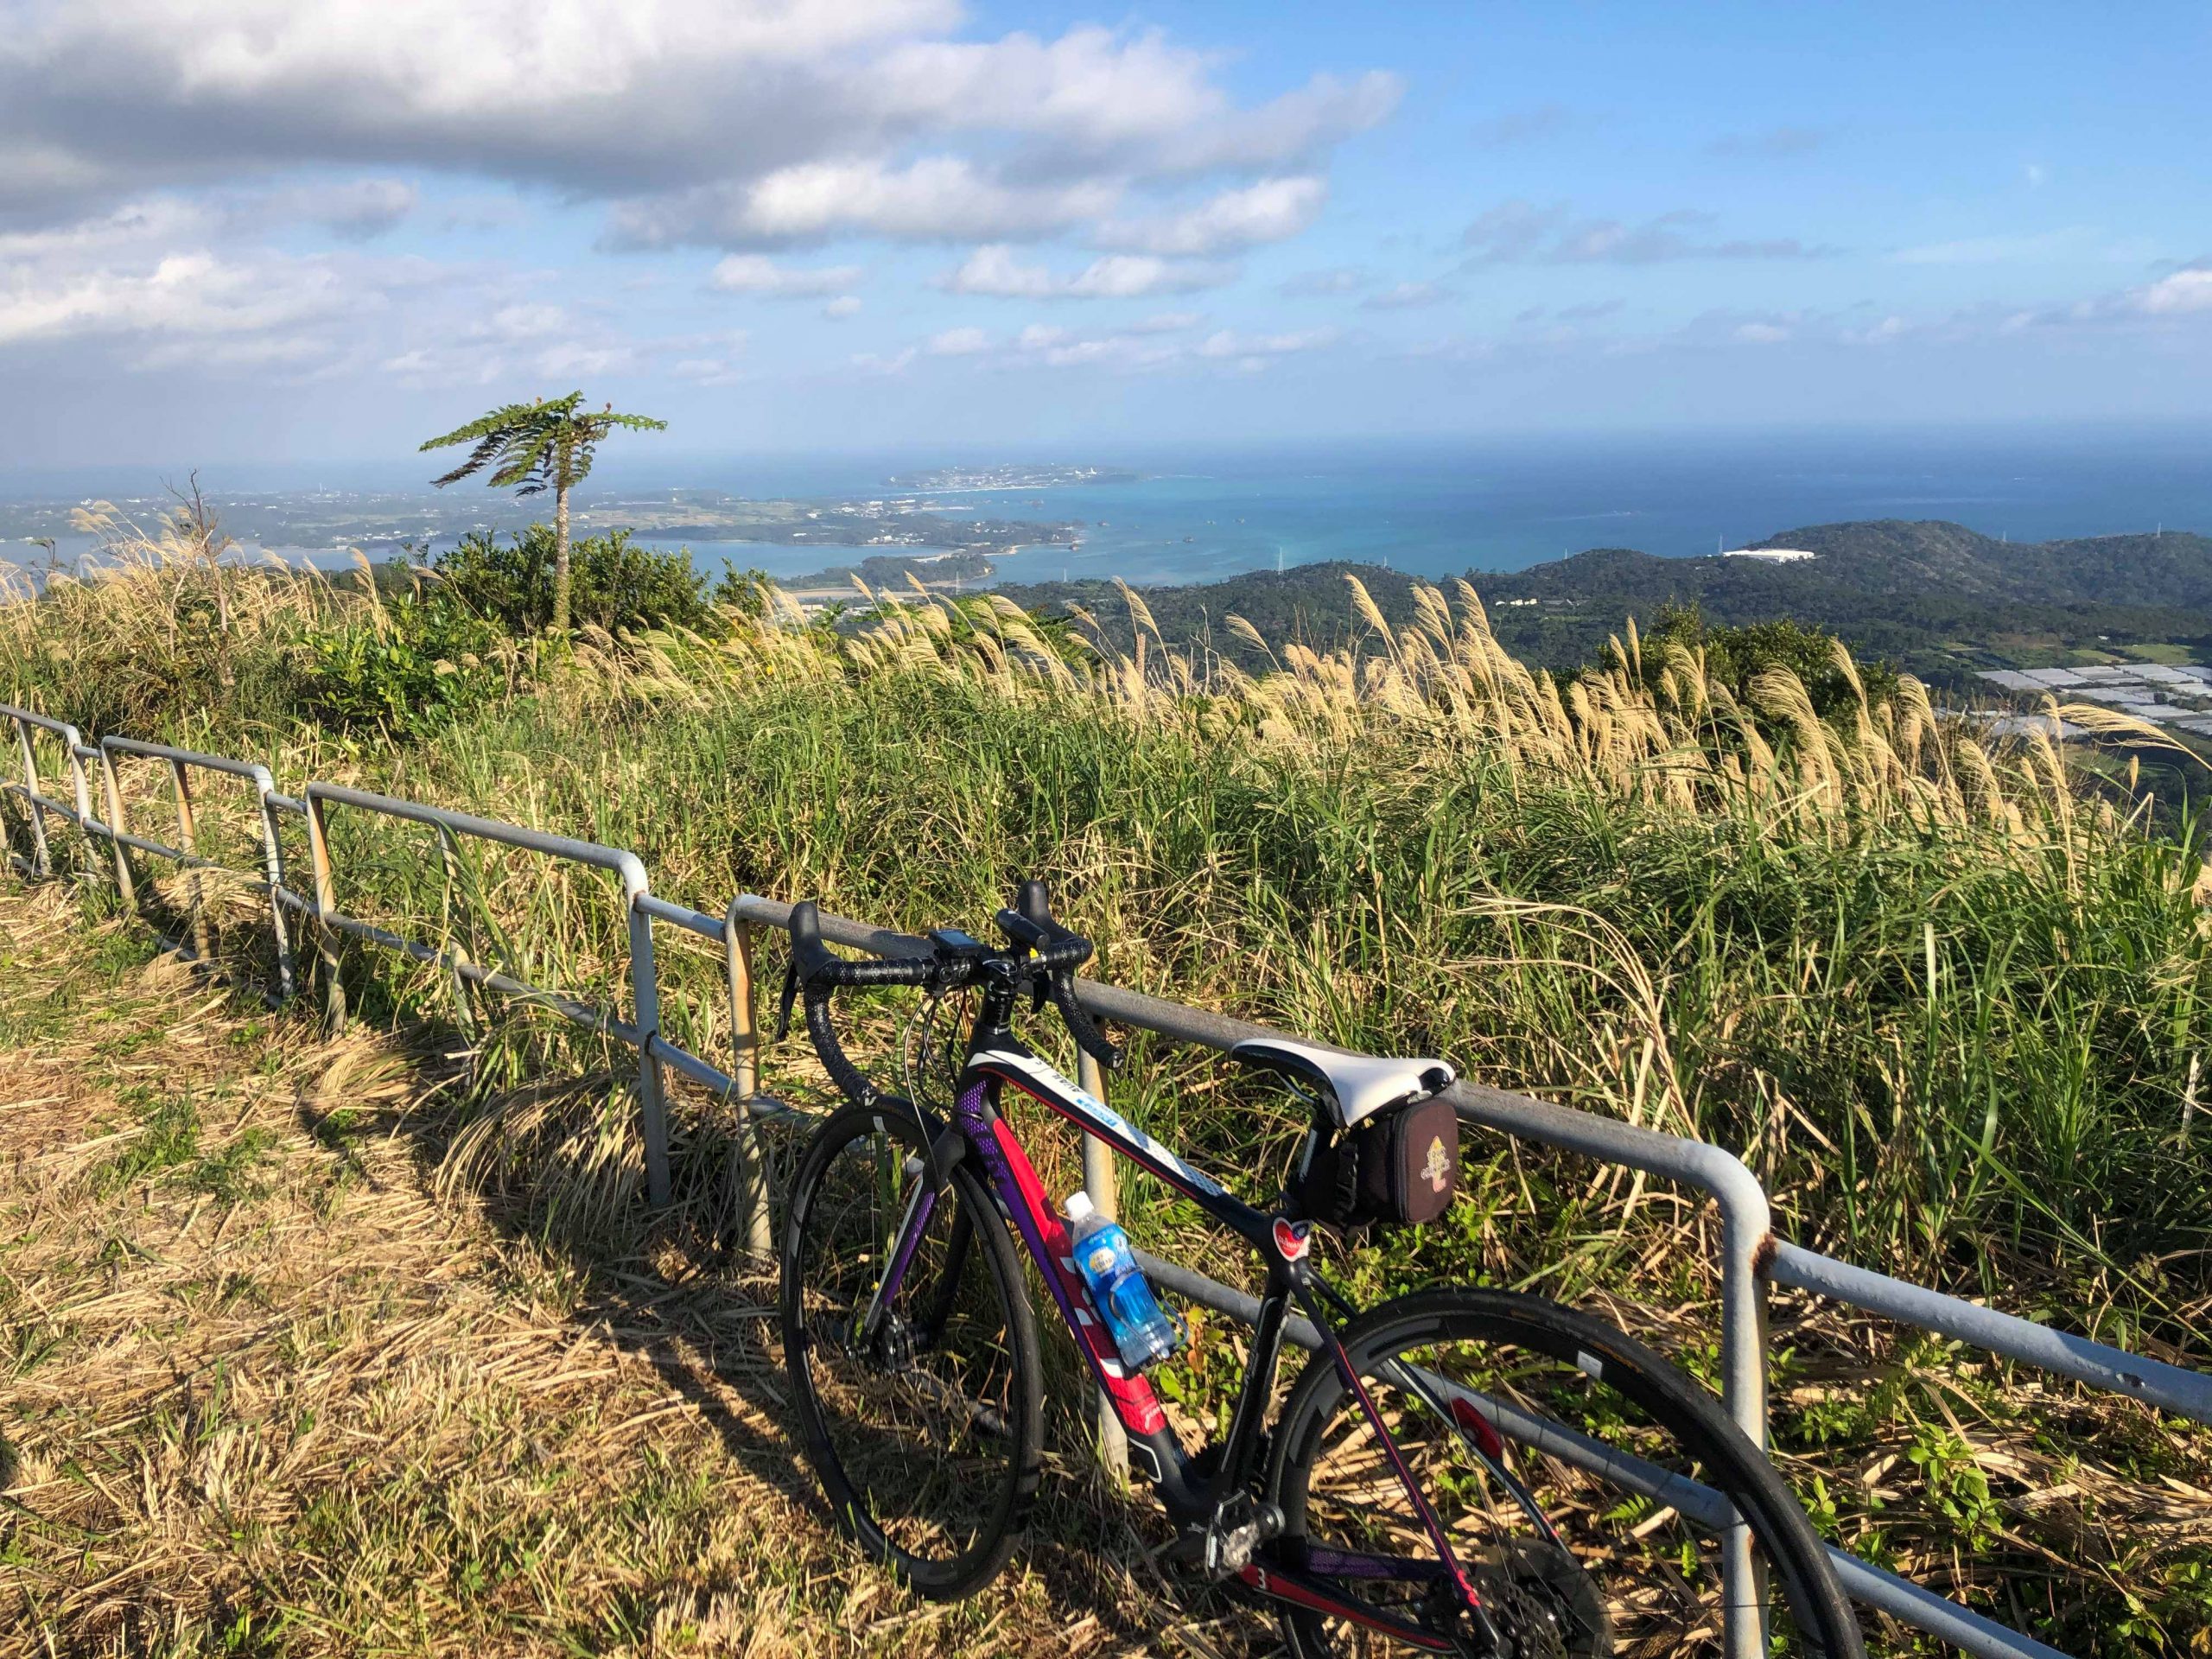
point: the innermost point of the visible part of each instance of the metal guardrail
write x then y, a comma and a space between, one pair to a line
1750, 1256
37, 803
182, 763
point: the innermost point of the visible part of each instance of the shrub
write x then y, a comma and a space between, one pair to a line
1734, 657
617, 586
405, 669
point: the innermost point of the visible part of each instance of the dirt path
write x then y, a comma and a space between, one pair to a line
274, 1381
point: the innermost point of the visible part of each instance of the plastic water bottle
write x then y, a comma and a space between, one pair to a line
1118, 1288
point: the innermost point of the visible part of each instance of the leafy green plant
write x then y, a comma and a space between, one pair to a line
1736, 656
615, 585
403, 669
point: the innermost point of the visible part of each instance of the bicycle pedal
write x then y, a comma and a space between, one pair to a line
1224, 1545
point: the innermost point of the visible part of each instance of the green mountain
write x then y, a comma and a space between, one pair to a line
1937, 598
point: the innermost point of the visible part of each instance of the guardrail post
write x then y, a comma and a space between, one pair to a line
645, 993
73, 741
272, 858
1743, 1238
188, 838
1099, 1183
112, 787
41, 862
456, 956
326, 903
751, 1165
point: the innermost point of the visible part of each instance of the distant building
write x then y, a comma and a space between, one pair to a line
1771, 555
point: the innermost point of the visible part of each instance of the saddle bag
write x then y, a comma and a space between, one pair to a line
1399, 1169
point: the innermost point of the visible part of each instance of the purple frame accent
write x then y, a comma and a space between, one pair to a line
918, 1224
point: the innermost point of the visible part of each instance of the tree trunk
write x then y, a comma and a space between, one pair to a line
561, 561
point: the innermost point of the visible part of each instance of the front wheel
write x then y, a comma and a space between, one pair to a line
1504, 1409
912, 1352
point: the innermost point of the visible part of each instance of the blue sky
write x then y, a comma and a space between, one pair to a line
235, 229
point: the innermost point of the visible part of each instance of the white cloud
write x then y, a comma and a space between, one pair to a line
194, 293
749, 126
995, 272
2183, 292
529, 321
1270, 210
936, 198
573, 358
1165, 322
1125, 349
958, 342
845, 305
706, 371
1761, 334
754, 273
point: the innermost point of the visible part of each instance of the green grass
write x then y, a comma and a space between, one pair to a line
2160, 652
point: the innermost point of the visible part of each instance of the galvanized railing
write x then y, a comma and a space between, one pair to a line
1750, 1256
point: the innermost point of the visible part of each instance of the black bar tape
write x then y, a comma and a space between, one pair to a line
1088, 1038
848, 1077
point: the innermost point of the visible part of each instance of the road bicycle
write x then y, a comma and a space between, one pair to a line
1465, 1472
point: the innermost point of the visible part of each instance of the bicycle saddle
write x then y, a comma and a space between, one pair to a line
1355, 1086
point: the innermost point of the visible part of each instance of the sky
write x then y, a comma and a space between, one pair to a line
293, 231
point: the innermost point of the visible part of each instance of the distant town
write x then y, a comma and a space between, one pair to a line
946, 480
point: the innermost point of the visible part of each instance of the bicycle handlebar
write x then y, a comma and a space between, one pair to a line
1044, 951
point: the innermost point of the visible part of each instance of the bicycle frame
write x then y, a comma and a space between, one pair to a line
998, 1059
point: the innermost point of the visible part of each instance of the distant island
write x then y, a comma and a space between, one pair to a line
944, 479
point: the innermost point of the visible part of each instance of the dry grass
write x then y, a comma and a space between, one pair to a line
280, 1379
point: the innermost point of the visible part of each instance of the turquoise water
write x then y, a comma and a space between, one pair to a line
1442, 513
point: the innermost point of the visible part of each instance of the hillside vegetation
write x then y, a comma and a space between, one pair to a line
1934, 597
1951, 1008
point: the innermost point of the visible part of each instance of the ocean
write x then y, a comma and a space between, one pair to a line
1440, 509
1442, 513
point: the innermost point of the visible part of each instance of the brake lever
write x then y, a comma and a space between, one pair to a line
791, 996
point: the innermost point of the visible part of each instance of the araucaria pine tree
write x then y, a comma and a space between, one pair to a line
532, 448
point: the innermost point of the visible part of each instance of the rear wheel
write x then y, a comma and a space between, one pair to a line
1567, 1564
920, 1411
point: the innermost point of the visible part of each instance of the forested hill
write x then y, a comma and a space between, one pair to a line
1898, 557
1931, 596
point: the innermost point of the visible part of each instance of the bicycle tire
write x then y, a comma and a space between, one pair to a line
1602, 1359
1000, 1395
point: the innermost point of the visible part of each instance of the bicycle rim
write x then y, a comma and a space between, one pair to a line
920, 1412
1502, 1407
